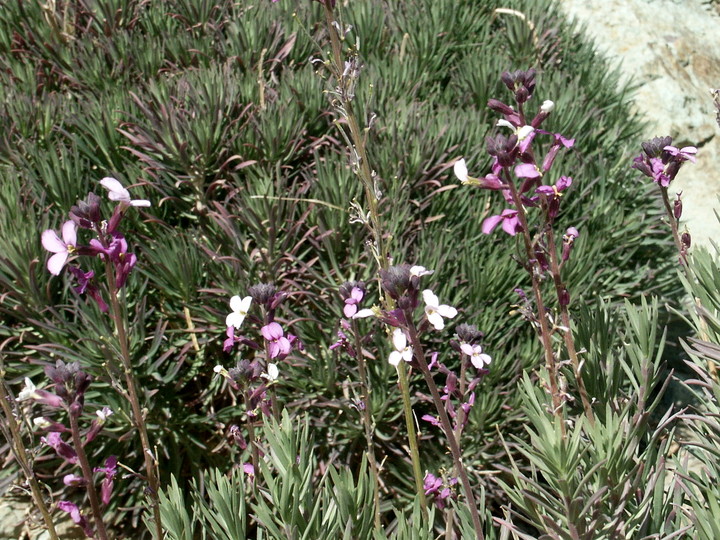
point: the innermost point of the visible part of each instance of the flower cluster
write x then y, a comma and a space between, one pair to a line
440, 488
661, 161
108, 245
70, 383
515, 171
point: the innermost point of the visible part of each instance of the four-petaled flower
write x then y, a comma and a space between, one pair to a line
402, 350
436, 311
475, 352
120, 194
279, 345
61, 248
240, 307
272, 372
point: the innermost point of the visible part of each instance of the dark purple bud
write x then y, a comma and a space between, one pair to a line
504, 149
500, 107
396, 280
262, 293
564, 297
468, 333
245, 372
123, 267
86, 214
677, 210
117, 216
686, 240
655, 146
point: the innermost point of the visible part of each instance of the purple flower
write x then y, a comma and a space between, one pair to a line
356, 296
64, 450
61, 248
568, 240
110, 470
73, 480
439, 488
686, 153
509, 219
279, 345
553, 194
86, 285
76, 516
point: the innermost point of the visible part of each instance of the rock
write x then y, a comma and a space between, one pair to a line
670, 49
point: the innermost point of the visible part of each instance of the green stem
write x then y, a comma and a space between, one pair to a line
412, 436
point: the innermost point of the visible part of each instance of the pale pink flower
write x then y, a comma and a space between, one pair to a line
61, 248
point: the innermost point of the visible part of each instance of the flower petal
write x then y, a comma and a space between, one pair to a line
140, 202
490, 223
364, 313
51, 241
461, 171
234, 319
527, 170
56, 262
447, 311
69, 233
399, 339
430, 299
436, 320
394, 358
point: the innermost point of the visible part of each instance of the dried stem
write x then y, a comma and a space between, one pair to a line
412, 435
251, 432
567, 333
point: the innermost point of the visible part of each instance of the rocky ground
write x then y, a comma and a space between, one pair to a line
670, 48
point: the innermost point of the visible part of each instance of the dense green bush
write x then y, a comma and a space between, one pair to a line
217, 112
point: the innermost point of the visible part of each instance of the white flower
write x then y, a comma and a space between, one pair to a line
240, 309
103, 414
547, 106
461, 171
402, 350
28, 391
476, 355
522, 132
364, 314
272, 372
41, 422
220, 370
419, 271
435, 312
120, 194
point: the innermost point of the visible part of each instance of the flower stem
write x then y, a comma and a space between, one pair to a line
567, 333
251, 433
18, 448
88, 475
550, 363
412, 436
673, 225
367, 422
446, 425
138, 418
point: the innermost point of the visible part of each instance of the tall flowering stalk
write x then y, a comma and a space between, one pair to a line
402, 284
345, 74
110, 246
523, 180
254, 379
